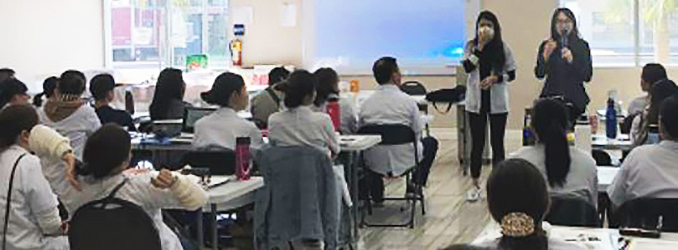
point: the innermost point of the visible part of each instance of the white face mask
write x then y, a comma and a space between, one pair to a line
566, 29
486, 30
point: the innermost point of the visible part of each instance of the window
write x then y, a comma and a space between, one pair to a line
628, 32
152, 34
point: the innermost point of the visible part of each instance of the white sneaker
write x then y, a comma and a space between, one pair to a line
473, 194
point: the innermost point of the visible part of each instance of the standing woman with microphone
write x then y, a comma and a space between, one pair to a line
565, 61
490, 65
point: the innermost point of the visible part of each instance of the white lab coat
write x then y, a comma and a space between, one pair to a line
301, 126
499, 94
221, 129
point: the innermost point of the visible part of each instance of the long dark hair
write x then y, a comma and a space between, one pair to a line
574, 33
659, 92
14, 120
517, 186
48, 87
170, 86
300, 84
222, 89
495, 48
105, 151
550, 121
327, 84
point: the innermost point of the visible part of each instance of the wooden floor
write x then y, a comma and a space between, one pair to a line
449, 218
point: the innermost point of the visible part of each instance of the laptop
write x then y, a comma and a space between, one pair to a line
191, 116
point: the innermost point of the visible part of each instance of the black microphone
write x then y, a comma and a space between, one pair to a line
566, 34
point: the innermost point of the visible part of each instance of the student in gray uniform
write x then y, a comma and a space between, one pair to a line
268, 101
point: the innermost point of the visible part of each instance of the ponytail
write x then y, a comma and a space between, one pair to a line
550, 121
37, 99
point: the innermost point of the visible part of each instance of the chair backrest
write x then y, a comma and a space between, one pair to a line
391, 134
572, 212
219, 162
413, 88
602, 158
645, 213
112, 223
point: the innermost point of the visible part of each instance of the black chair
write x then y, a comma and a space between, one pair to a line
416, 88
572, 212
219, 161
645, 212
398, 134
602, 158
112, 224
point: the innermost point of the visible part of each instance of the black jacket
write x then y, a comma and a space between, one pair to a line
564, 78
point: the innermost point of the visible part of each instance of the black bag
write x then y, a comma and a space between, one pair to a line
449, 96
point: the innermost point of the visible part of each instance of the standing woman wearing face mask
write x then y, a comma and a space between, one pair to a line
490, 65
565, 61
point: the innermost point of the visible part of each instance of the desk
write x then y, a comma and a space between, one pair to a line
605, 177
603, 143
229, 196
606, 238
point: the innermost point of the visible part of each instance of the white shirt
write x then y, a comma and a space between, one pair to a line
389, 105
77, 127
648, 171
349, 119
553, 244
581, 181
499, 99
637, 106
32, 198
301, 126
222, 127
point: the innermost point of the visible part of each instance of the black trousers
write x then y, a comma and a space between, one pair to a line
478, 123
372, 184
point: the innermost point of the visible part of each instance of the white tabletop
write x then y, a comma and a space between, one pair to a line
234, 194
602, 142
591, 238
605, 177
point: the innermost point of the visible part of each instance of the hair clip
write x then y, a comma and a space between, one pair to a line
517, 224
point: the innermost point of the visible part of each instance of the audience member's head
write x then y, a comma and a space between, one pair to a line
669, 119
563, 20
106, 153
12, 92
71, 85
299, 89
495, 46
6, 73
660, 91
328, 83
550, 122
101, 86
228, 90
386, 71
48, 87
16, 122
170, 86
652, 73
277, 75
518, 199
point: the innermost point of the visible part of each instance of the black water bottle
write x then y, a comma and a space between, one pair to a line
129, 102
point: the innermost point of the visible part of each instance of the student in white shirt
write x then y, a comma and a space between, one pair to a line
297, 124
645, 127
12, 92
328, 89
518, 199
106, 156
389, 105
650, 171
68, 114
33, 221
490, 65
570, 172
222, 127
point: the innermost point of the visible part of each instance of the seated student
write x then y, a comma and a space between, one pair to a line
645, 127
268, 101
12, 92
101, 87
650, 170
33, 221
222, 127
168, 99
389, 105
518, 199
6, 73
570, 171
328, 89
652, 73
68, 114
48, 87
106, 156
298, 124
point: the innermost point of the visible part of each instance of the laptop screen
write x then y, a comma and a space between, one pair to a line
192, 115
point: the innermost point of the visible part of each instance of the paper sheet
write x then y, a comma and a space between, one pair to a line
243, 15
288, 15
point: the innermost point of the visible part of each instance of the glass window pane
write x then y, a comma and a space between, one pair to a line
199, 28
608, 27
135, 33
659, 31
217, 42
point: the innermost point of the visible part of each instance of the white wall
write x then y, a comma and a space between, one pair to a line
44, 37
